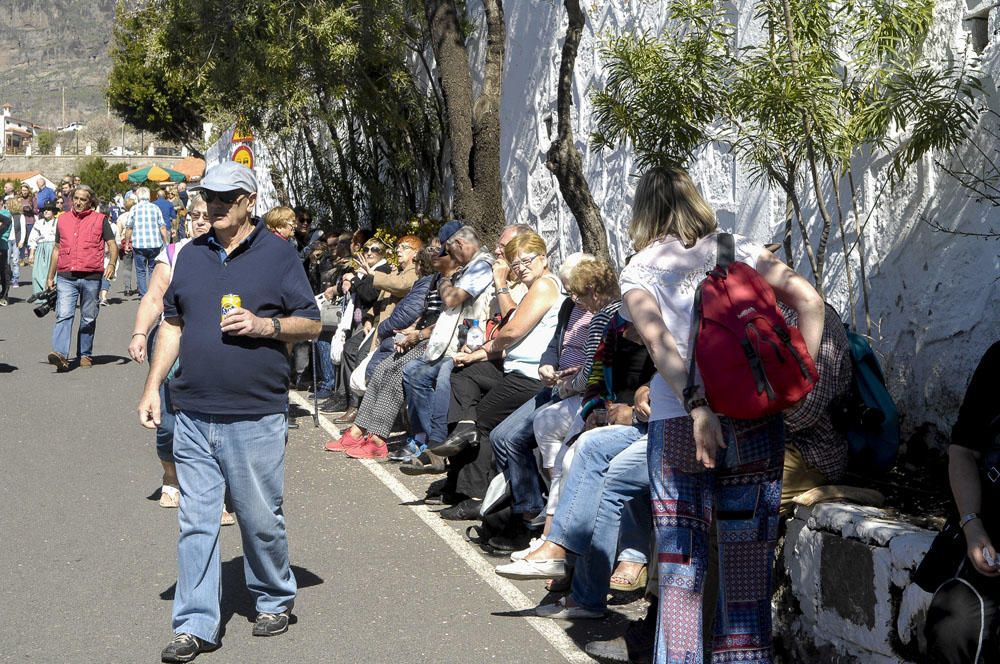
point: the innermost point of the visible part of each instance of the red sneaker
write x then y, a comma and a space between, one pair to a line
344, 443
368, 449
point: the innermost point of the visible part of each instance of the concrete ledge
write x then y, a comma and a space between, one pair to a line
844, 590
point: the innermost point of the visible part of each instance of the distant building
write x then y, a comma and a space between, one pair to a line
17, 134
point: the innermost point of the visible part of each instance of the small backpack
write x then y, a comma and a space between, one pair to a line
752, 363
867, 416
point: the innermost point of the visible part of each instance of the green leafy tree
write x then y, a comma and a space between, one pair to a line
101, 176
831, 86
45, 141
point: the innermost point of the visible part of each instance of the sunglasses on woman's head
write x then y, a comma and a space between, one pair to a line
226, 197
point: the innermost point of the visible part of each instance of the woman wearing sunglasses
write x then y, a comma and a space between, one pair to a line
146, 320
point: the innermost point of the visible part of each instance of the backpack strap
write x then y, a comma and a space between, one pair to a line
691, 389
727, 250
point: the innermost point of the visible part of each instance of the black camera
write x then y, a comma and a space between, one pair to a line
48, 301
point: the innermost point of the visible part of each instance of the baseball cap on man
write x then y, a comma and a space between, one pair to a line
445, 233
228, 176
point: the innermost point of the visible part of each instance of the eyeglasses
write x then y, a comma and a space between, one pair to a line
401, 247
524, 262
197, 215
225, 197
373, 250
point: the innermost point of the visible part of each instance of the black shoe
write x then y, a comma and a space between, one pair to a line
463, 436
335, 404
293, 425
427, 463
184, 648
270, 624
467, 510
514, 537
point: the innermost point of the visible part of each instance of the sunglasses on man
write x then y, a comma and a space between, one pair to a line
226, 197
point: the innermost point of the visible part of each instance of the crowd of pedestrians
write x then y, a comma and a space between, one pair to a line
560, 405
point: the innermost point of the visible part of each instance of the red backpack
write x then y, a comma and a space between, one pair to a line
752, 364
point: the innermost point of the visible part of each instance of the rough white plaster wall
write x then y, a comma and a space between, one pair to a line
934, 296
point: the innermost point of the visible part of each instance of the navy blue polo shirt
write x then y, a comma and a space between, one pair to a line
223, 374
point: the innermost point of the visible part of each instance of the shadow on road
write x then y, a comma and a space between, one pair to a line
7, 368
236, 599
110, 359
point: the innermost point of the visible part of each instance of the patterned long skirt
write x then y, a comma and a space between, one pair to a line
384, 396
744, 493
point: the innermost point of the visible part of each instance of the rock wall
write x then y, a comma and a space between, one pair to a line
844, 591
54, 167
934, 295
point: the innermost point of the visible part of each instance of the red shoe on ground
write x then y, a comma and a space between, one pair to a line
369, 449
344, 443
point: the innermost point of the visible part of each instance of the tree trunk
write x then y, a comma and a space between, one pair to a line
563, 159
486, 128
456, 89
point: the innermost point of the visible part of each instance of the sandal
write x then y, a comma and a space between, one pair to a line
170, 496
623, 583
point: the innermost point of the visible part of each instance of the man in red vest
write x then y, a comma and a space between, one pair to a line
77, 266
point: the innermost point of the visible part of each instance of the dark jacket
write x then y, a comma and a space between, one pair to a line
552, 352
408, 310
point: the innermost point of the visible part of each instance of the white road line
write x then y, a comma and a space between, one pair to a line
549, 629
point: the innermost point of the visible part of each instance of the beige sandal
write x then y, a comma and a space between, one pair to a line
170, 496
623, 583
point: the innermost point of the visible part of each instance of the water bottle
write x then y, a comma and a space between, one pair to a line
474, 339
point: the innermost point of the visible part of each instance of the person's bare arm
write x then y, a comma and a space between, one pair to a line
963, 476
645, 313
540, 298
109, 271
128, 236
793, 290
240, 322
501, 271
165, 234
168, 343
53, 266
451, 295
150, 308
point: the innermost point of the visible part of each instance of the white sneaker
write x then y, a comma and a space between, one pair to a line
533, 569
532, 547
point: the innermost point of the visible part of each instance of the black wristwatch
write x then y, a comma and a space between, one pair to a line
276, 324
696, 402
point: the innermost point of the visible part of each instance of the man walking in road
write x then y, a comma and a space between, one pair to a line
231, 404
75, 270
147, 232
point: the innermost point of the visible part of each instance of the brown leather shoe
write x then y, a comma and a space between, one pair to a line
348, 417
59, 361
86, 362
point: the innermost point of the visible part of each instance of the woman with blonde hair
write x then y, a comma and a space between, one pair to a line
491, 382
705, 470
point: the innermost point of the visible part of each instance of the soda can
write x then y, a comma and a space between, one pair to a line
230, 301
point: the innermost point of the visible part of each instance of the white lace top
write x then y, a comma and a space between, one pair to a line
672, 273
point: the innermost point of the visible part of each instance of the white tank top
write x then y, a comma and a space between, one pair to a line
523, 357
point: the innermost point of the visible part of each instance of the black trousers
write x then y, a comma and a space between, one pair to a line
353, 354
5, 273
962, 620
483, 394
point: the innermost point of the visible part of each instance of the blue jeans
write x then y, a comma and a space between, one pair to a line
328, 375
605, 498
248, 455
165, 432
68, 292
513, 441
14, 259
428, 395
145, 261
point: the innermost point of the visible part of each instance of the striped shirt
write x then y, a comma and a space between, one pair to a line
595, 333
575, 338
145, 221
432, 305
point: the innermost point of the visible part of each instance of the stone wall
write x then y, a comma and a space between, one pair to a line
844, 591
54, 167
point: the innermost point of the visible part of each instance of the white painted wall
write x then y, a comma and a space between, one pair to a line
934, 296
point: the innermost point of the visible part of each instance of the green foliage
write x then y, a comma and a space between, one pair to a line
102, 176
45, 141
662, 96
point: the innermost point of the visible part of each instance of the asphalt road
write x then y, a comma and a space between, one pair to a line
87, 556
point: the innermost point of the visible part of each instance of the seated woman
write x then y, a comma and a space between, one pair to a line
962, 619
366, 438
565, 367
491, 382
